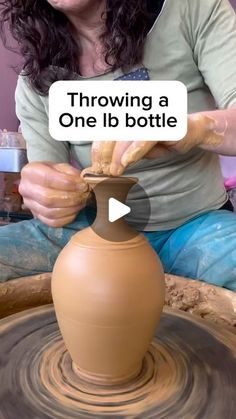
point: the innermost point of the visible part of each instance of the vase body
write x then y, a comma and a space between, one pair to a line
108, 298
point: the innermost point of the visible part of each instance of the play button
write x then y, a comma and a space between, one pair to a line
116, 210
115, 207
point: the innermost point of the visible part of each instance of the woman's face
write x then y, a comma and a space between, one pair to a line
72, 5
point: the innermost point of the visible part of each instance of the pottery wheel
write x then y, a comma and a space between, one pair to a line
189, 372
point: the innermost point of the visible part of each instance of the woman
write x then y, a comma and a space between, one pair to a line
188, 40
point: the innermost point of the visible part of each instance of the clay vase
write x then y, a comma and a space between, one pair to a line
108, 292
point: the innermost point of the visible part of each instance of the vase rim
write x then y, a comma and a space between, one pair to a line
95, 179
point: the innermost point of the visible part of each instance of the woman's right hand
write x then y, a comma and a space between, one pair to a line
54, 193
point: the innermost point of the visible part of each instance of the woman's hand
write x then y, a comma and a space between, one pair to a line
113, 157
55, 193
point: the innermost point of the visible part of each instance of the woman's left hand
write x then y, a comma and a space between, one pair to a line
113, 157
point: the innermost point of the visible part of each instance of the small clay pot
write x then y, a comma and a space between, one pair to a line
108, 292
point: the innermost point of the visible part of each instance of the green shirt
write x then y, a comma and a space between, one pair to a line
193, 41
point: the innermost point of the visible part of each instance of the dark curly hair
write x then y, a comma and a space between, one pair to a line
48, 48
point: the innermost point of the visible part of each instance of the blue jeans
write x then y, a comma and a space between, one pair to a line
202, 248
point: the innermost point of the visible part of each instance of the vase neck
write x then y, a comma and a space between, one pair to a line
105, 188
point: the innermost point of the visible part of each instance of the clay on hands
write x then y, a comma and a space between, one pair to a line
54, 193
113, 157
102, 152
201, 130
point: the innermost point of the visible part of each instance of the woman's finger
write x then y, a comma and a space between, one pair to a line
59, 177
51, 213
51, 198
102, 152
134, 152
60, 222
116, 168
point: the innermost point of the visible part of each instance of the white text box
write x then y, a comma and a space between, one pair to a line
118, 110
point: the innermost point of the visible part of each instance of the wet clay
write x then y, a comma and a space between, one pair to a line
24, 293
102, 152
189, 371
213, 303
204, 129
201, 131
108, 292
